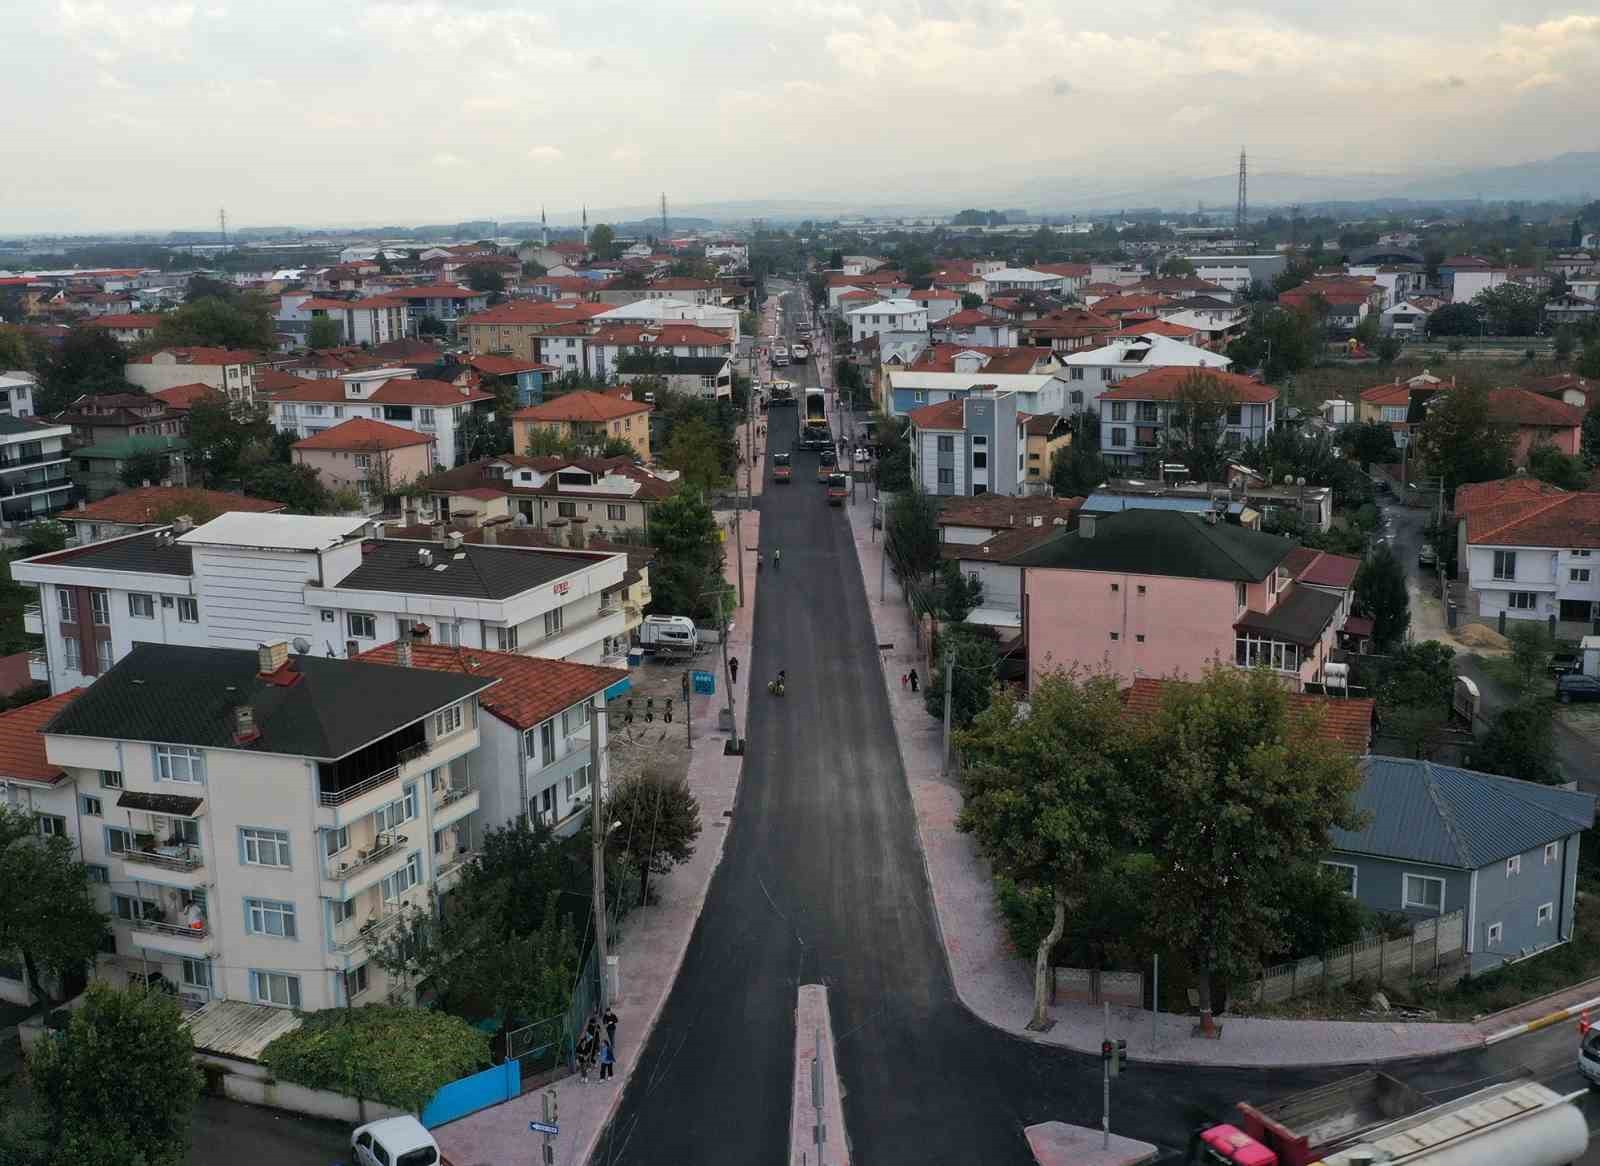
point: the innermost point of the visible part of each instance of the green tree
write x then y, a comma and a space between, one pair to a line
42, 536
692, 451
241, 322
325, 333
972, 677
1564, 343
49, 916
119, 1085
1455, 320
1510, 309
1520, 742
1316, 911
970, 300
1462, 440
483, 277
686, 578
603, 242
1242, 788
911, 535
1048, 797
299, 487
1369, 442
1079, 471
1531, 649
1588, 362
1278, 342
484, 434
432, 326
1380, 595
660, 824
1175, 265
1549, 464
223, 436
89, 360
149, 466
1414, 698
956, 594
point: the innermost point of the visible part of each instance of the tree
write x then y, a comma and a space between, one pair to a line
970, 300
1047, 797
239, 322
483, 277
89, 360
1455, 320
1200, 406
956, 594
325, 333
1078, 471
42, 536
1318, 913
1565, 342
692, 451
1462, 440
1242, 788
1520, 743
1510, 309
299, 487
1531, 649
603, 242
149, 467
660, 824
1175, 265
49, 915
1414, 698
1549, 464
1380, 595
911, 535
1278, 342
972, 677
1588, 363
686, 578
119, 1085
1368, 442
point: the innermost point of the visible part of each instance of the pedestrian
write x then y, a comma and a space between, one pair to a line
585, 1055
608, 1061
733, 677
611, 1026
915, 680
905, 678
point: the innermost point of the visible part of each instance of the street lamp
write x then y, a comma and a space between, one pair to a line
602, 961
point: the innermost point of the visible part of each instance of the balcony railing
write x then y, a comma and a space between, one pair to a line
339, 797
451, 794
374, 928
460, 860
32, 459
33, 612
11, 488
195, 931
387, 845
412, 752
189, 858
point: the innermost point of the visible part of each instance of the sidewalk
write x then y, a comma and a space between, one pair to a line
997, 986
653, 940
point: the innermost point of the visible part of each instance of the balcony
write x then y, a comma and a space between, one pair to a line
339, 797
33, 619
32, 459
349, 935
453, 804
386, 846
450, 871
38, 666
179, 938
15, 487
176, 859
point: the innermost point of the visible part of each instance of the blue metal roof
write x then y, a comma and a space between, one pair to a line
1101, 503
1422, 812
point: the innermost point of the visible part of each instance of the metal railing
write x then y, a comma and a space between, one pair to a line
33, 459
365, 785
33, 611
372, 929
190, 860
451, 794
387, 845
456, 863
180, 930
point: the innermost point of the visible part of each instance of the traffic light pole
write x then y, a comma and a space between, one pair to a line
1105, 1079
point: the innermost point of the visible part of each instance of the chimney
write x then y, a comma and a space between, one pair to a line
578, 530
1086, 525
436, 531
244, 724
421, 633
452, 541
402, 653
424, 557
183, 524
271, 657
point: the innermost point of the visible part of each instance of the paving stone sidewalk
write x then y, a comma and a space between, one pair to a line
997, 985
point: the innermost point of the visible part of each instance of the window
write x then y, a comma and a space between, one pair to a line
403, 879
344, 910
1105, 375
1240, 594
1141, 589
547, 741
264, 847
131, 909
1236, 415
118, 839
1116, 587
947, 476
89, 804
1547, 912
397, 812
1077, 375
1424, 891
1580, 554
1119, 410
1076, 396
980, 460
355, 982
1552, 852
1138, 639
1505, 564
1578, 575
1514, 865
506, 639
1522, 600
188, 611
179, 763
141, 605
333, 841
1119, 436
362, 625
425, 418
102, 653
52, 826
277, 988
946, 443
67, 600
98, 873
552, 623
100, 602
567, 509
1116, 635
1342, 873
1494, 934
196, 973
574, 718
449, 634
1249, 651
73, 655
448, 721
269, 917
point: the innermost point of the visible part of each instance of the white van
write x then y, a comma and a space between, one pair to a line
395, 1141
669, 635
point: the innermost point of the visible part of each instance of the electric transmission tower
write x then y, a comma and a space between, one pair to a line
664, 230
1243, 208
222, 225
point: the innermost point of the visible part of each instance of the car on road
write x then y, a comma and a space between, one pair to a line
1575, 686
800, 352
394, 1141
780, 355
782, 471
1427, 557
1589, 1056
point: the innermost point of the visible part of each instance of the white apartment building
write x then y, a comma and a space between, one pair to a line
256, 822
607, 344
886, 316
1535, 555
397, 396
1136, 415
376, 320
244, 579
230, 371
16, 393
668, 311
34, 462
1091, 371
1020, 279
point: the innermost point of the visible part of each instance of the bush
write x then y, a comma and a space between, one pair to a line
399, 1056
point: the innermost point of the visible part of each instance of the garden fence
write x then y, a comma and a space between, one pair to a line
1435, 947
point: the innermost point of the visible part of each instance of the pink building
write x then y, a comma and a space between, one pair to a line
1537, 420
1163, 593
369, 457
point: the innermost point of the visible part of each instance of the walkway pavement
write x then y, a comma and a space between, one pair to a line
997, 985
653, 940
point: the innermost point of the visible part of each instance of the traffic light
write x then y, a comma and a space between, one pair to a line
1119, 1054
1105, 1050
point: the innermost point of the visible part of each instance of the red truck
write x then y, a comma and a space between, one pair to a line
838, 489
781, 469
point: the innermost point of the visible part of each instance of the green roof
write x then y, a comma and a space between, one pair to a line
126, 447
1162, 542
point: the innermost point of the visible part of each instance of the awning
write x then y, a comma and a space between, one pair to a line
619, 688
173, 804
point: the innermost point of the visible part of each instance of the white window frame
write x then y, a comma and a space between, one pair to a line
1355, 873
102, 653
506, 638
448, 721
193, 764
119, 833
392, 815
264, 983
264, 846
73, 652
91, 805
354, 624
1503, 560
1493, 934
111, 779
397, 884
356, 981
141, 599
67, 601
1552, 852
335, 840
100, 607
188, 610
196, 973
1406, 900
1546, 914
260, 915
1513, 865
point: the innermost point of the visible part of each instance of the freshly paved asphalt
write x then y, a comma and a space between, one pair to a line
822, 881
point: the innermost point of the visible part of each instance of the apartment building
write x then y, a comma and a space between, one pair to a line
969, 445
602, 495
16, 393
257, 821
1090, 372
585, 416
229, 371
612, 342
243, 579
515, 328
886, 316
149, 507
397, 396
1530, 551
34, 469
1136, 414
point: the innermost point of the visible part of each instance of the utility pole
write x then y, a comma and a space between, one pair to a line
738, 542
733, 724
1105, 1077
598, 832
949, 677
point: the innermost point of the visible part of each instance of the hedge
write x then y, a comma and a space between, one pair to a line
400, 1056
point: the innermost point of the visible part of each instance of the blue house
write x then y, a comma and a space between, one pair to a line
1440, 839
529, 375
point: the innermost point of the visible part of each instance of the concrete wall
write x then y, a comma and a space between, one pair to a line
252, 1083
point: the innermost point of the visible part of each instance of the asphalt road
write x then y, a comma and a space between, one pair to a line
822, 881
227, 1133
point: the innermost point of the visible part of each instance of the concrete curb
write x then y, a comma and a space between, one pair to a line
812, 1015
1544, 1021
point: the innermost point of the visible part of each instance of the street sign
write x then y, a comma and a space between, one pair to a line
705, 683
543, 1127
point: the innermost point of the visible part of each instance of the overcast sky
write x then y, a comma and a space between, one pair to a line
135, 114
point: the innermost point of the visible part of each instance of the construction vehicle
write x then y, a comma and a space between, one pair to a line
782, 471
781, 392
838, 489
780, 355
827, 462
669, 635
1372, 1119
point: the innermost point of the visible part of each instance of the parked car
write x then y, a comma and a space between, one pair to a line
1427, 557
1576, 686
1589, 1055
394, 1141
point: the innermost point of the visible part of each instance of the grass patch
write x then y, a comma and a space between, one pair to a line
1502, 670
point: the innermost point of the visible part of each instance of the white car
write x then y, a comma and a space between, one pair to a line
394, 1141
800, 352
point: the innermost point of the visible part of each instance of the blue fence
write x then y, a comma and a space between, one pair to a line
470, 1094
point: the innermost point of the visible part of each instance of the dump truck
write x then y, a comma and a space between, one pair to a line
782, 471
1372, 1119
838, 489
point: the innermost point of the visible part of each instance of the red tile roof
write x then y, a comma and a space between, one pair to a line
1162, 384
1520, 407
1070, 270
532, 689
183, 397
537, 312
1321, 568
967, 318
272, 381
323, 304
22, 744
127, 320
1479, 495
363, 433
198, 355
1345, 721
942, 358
435, 291
931, 294
1122, 304
944, 415
149, 505
682, 283
397, 391
505, 366
663, 335
1158, 328
1560, 520
583, 405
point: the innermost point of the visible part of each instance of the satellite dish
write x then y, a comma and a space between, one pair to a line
302, 645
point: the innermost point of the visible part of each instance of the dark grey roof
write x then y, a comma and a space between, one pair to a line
1164, 542
1299, 617
13, 426
473, 571
186, 696
160, 803
138, 552
1438, 814
698, 365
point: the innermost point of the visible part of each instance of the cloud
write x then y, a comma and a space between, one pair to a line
545, 154
1193, 115
626, 154
447, 161
1060, 87
1541, 80
1448, 81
